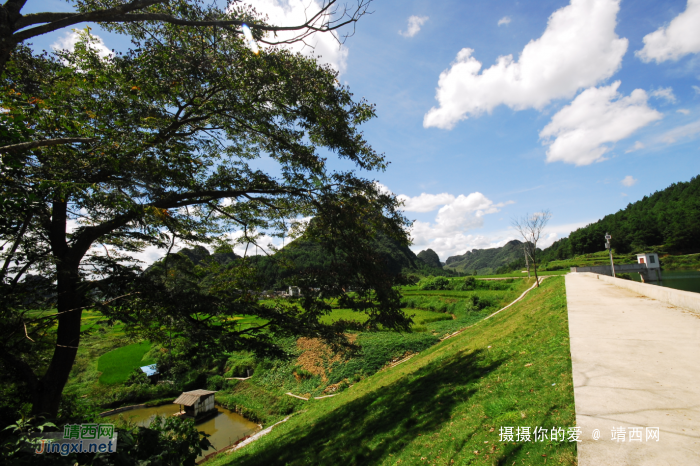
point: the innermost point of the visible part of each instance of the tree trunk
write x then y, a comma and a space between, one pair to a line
534, 264
47, 394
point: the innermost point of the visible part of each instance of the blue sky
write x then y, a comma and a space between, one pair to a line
490, 110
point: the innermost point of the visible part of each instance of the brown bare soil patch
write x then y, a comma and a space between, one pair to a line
317, 357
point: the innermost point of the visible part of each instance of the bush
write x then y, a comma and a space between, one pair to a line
137, 377
434, 283
215, 382
468, 284
239, 363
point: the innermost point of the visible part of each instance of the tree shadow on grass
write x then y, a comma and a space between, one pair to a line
368, 429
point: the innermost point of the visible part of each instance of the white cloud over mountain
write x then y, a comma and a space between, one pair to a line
580, 132
680, 37
414, 25
578, 49
296, 12
458, 214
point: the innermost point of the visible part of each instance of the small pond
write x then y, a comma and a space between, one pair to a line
224, 428
686, 280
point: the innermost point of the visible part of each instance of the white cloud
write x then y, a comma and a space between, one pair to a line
295, 12
696, 89
665, 93
596, 117
414, 25
70, 38
679, 38
578, 49
505, 20
459, 244
684, 111
686, 131
448, 233
628, 181
425, 202
637, 146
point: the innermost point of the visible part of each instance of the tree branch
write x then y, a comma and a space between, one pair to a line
44, 143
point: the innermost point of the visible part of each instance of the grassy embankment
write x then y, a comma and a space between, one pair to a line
447, 404
314, 370
684, 262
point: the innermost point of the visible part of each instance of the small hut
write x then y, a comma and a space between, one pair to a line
197, 403
151, 372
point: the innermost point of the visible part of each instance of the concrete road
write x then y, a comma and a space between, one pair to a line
636, 366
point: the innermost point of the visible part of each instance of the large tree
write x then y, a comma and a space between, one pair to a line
170, 141
16, 27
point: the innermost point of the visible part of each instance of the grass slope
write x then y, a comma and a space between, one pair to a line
119, 363
447, 404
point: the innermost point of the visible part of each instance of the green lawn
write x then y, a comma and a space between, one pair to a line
447, 404
119, 363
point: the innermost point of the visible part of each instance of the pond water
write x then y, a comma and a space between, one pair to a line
224, 428
686, 280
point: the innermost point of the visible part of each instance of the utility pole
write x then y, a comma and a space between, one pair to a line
607, 246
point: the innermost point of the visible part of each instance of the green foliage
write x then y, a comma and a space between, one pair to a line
161, 159
468, 284
118, 365
239, 364
255, 403
167, 441
430, 258
137, 377
487, 261
215, 382
669, 218
434, 283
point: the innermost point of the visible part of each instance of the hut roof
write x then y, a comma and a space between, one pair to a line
190, 398
149, 370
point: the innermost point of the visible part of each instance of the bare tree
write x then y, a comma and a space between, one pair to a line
530, 228
16, 28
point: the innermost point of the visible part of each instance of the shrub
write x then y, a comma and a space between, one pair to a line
468, 284
434, 283
239, 364
215, 382
137, 377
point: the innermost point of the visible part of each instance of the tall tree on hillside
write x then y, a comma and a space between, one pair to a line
167, 143
530, 227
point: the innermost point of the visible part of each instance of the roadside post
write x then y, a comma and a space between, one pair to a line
607, 246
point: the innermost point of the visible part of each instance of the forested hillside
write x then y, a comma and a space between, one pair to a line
275, 272
668, 220
486, 261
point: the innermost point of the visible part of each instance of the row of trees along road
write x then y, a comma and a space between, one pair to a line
104, 157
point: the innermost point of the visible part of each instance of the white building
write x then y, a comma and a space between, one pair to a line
650, 259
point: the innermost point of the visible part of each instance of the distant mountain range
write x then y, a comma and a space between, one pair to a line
486, 261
